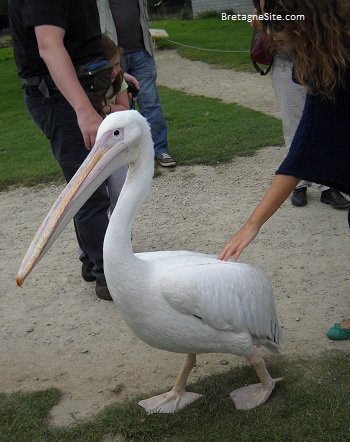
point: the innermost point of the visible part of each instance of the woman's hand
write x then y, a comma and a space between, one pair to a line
281, 187
239, 241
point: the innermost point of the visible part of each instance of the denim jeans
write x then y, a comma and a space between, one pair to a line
58, 121
142, 66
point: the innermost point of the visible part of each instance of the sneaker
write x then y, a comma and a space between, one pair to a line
165, 160
102, 291
335, 199
299, 198
338, 333
86, 271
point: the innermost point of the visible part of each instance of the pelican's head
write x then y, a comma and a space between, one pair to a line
118, 142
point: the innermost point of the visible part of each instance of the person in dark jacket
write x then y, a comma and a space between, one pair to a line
320, 150
52, 42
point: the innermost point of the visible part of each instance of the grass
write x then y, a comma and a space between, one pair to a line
205, 130
25, 155
311, 404
201, 130
213, 34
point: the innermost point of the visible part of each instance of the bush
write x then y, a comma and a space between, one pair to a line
215, 14
164, 9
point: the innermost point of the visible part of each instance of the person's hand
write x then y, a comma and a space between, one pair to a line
279, 190
89, 121
132, 80
238, 242
50, 40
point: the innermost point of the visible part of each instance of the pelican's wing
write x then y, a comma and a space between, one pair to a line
165, 255
225, 295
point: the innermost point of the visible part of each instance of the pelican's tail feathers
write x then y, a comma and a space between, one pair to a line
272, 346
277, 335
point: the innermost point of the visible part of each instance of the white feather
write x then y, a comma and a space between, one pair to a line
181, 301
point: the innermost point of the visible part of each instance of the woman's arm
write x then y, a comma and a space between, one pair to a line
281, 187
60, 66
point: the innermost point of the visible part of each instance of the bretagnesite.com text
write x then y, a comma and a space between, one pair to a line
267, 16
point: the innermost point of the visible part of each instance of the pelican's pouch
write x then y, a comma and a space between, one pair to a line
95, 78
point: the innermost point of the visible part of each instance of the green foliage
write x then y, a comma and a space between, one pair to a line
214, 14
310, 404
3, 7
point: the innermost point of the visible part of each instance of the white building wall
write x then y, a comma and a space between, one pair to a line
239, 6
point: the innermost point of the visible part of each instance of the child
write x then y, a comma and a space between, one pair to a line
115, 100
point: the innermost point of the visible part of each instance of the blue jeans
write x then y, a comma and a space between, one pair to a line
142, 66
58, 121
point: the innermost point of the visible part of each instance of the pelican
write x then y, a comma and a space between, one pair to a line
179, 301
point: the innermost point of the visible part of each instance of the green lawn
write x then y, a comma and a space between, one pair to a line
205, 130
25, 156
213, 34
310, 405
201, 130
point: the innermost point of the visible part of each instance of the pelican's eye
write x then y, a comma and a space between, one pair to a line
116, 132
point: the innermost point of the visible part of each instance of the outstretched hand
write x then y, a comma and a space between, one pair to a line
238, 242
279, 190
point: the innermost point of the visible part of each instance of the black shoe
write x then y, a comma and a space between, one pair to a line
335, 199
86, 271
299, 197
102, 291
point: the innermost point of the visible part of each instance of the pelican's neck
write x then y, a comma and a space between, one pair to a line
136, 187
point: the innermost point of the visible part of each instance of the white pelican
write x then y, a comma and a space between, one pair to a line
178, 301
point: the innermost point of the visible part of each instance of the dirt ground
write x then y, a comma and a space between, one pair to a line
54, 332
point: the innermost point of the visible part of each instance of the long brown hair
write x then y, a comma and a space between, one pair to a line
110, 49
321, 41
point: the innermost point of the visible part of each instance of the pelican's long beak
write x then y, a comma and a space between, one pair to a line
108, 154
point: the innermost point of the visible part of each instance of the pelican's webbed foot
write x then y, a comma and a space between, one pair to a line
253, 395
169, 402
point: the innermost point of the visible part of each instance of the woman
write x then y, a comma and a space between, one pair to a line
320, 151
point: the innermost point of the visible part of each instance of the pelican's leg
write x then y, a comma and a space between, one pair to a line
177, 398
254, 395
